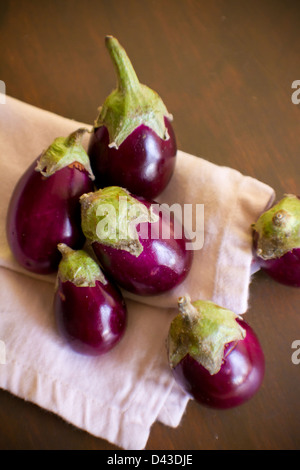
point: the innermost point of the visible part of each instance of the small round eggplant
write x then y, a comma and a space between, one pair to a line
276, 241
44, 209
214, 355
90, 311
133, 144
138, 244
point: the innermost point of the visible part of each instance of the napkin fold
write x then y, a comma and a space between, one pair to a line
120, 395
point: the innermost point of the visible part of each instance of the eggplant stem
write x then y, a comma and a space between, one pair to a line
75, 137
127, 78
187, 309
64, 249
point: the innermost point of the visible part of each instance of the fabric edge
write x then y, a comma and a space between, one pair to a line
53, 397
252, 198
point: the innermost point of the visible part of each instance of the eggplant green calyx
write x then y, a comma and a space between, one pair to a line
78, 267
110, 216
64, 151
278, 229
202, 329
131, 103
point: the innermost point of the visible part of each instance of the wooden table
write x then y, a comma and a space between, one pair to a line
225, 70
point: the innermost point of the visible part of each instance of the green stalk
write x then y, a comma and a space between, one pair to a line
131, 104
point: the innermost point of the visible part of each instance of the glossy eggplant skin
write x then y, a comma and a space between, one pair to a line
43, 212
239, 378
92, 319
163, 264
144, 163
285, 270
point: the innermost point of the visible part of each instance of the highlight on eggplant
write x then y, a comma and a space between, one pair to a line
44, 208
90, 312
276, 241
125, 233
214, 355
133, 144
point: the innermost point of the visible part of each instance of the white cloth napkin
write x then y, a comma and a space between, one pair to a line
120, 395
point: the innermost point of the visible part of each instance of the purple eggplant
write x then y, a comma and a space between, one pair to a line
276, 241
90, 312
214, 355
137, 244
133, 144
44, 209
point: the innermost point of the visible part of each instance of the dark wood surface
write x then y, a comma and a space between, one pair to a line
224, 69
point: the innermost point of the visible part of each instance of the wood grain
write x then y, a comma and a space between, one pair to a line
224, 68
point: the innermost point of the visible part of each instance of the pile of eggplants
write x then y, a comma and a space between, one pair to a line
92, 218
